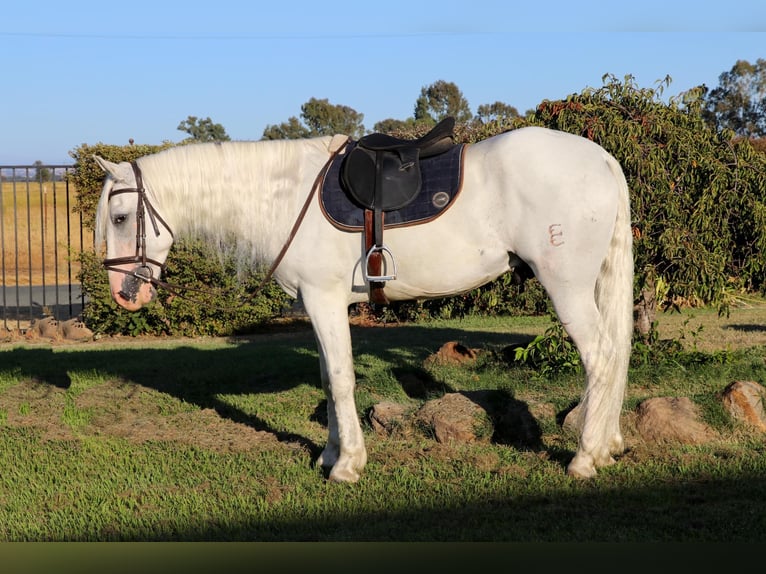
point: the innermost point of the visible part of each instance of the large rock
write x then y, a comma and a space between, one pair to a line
672, 419
386, 417
455, 418
744, 402
451, 353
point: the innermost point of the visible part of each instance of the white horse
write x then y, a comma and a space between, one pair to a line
555, 201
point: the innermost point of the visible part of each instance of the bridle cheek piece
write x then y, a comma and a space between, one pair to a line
144, 272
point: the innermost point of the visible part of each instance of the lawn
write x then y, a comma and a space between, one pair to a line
128, 439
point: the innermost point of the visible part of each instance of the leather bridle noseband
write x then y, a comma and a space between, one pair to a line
144, 206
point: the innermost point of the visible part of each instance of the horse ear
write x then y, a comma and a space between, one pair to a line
110, 168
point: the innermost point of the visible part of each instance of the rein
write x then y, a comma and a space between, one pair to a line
144, 273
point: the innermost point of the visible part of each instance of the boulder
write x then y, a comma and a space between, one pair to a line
74, 330
46, 328
452, 353
455, 418
49, 328
387, 416
672, 419
744, 402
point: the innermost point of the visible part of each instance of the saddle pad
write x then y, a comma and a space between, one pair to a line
442, 178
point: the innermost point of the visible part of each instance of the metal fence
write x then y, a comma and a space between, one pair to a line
41, 237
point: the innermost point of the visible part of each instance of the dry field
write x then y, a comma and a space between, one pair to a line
705, 330
40, 234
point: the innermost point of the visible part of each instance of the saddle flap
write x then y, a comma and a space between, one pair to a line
382, 180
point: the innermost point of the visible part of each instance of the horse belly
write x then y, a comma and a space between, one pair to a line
432, 265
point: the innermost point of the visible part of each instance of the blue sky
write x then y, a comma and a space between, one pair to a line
88, 72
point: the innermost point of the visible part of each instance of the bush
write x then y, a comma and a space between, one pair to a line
213, 300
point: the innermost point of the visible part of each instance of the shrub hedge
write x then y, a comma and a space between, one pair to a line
698, 210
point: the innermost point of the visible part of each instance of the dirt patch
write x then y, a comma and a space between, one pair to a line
38, 405
125, 410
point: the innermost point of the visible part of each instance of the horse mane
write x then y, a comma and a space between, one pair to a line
240, 198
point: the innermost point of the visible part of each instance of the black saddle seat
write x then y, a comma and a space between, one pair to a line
436, 141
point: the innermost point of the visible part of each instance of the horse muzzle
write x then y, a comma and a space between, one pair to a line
132, 290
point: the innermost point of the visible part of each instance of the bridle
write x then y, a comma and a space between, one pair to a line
144, 206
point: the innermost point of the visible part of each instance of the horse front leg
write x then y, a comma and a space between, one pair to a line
345, 454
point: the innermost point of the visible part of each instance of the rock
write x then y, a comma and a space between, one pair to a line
74, 330
672, 419
744, 402
387, 416
573, 420
452, 353
47, 328
455, 417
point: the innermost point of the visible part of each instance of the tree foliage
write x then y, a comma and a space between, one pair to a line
42, 173
202, 130
390, 125
498, 111
739, 101
440, 100
320, 118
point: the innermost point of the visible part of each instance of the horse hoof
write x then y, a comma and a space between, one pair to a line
582, 467
344, 475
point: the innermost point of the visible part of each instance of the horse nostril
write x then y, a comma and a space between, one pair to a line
143, 273
123, 295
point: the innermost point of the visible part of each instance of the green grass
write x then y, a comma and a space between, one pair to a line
212, 439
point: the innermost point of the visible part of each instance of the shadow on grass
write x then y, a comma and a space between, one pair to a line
266, 363
695, 510
720, 509
747, 328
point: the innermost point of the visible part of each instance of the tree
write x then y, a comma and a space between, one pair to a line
292, 129
498, 111
390, 125
739, 102
325, 119
43, 173
203, 130
320, 118
440, 100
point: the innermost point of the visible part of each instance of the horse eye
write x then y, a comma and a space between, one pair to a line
118, 219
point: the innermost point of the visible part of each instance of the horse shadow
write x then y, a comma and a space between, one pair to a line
267, 364
747, 328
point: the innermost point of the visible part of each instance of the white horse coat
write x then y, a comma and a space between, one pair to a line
557, 202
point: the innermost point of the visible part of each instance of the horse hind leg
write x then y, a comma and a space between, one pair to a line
602, 399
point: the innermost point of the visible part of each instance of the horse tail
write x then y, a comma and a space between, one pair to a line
614, 292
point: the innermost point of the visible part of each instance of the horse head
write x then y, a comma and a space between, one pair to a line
137, 238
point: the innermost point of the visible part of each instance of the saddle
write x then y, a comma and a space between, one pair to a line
382, 174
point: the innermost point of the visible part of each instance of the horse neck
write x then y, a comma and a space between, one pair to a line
233, 195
